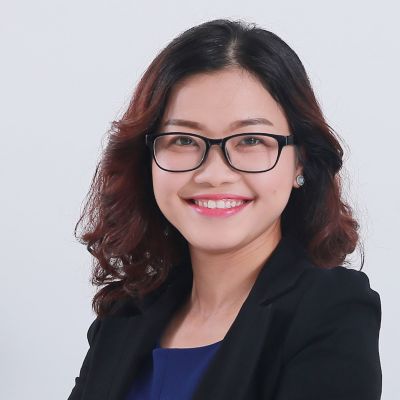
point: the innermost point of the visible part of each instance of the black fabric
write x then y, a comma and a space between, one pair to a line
303, 333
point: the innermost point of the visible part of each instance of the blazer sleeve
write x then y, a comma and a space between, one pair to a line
332, 348
77, 391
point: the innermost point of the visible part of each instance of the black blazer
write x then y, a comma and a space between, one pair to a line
303, 333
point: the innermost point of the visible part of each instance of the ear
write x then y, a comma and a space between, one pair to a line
299, 167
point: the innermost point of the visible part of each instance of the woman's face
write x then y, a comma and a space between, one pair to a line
214, 101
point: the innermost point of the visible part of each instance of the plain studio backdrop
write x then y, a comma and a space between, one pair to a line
69, 68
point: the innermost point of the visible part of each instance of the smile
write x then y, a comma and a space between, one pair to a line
218, 208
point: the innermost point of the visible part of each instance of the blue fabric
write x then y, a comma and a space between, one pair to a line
173, 374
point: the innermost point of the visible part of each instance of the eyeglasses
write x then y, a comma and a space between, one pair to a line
246, 152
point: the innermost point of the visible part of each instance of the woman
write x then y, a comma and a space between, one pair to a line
223, 267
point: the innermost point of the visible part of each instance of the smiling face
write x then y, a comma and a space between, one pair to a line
215, 101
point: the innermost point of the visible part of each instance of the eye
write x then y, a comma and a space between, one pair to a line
251, 140
184, 140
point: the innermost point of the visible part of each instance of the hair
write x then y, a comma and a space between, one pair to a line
133, 245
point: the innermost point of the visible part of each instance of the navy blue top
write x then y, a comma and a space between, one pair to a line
173, 374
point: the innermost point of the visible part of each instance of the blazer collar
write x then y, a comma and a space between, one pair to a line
133, 336
278, 274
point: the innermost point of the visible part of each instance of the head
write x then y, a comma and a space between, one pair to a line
214, 74
210, 104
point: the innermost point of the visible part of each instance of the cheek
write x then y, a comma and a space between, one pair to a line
280, 185
166, 186
274, 188
160, 186
161, 190
281, 178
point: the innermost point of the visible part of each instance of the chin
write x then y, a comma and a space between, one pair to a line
215, 246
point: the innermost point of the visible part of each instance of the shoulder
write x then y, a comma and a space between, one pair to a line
333, 337
340, 285
334, 301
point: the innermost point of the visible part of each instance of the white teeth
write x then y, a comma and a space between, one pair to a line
219, 203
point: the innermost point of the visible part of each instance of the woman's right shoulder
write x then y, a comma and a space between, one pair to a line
93, 329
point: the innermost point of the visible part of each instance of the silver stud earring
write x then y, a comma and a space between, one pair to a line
300, 180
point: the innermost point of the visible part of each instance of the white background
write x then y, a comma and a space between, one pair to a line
69, 68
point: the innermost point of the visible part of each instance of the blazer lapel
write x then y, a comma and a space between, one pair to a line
144, 328
127, 338
132, 337
230, 373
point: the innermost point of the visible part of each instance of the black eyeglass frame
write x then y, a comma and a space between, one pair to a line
283, 140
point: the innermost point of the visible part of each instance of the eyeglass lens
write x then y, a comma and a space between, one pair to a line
248, 152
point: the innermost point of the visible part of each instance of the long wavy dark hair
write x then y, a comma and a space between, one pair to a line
133, 244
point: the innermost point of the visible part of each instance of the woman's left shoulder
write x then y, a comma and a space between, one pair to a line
333, 338
334, 333
341, 284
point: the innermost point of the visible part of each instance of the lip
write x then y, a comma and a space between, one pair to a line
217, 212
218, 196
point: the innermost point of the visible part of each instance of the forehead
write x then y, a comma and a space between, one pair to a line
214, 100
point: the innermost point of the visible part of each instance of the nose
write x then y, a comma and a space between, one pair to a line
216, 169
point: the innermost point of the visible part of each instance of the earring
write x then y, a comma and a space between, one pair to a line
300, 180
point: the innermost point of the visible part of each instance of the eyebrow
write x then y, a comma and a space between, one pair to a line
233, 125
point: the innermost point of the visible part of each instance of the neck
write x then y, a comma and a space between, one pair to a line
222, 281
